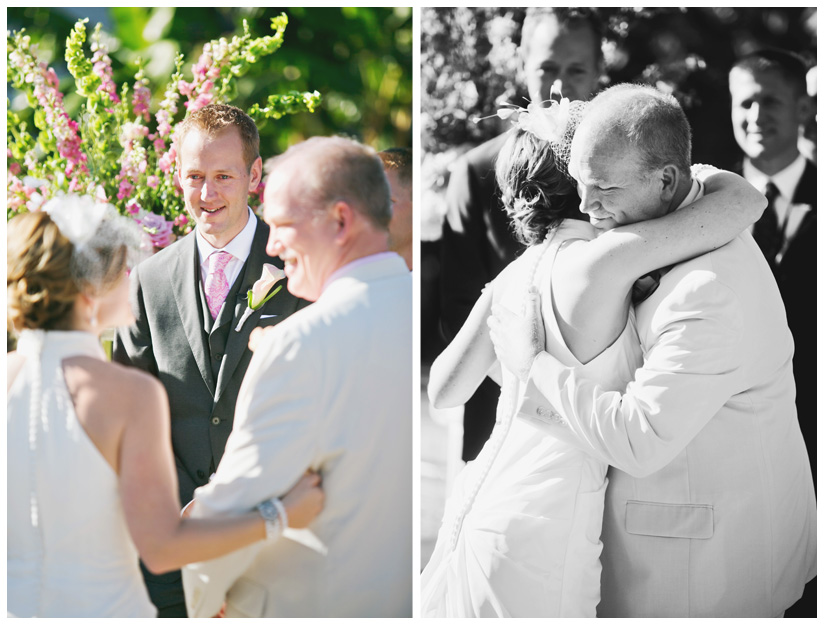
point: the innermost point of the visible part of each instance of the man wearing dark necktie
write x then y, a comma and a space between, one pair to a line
770, 105
190, 298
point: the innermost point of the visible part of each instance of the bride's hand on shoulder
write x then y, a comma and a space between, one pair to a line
517, 340
304, 501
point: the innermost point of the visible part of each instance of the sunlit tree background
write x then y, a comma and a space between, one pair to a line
359, 59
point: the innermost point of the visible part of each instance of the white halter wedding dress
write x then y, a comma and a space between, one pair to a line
521, 530
69, 549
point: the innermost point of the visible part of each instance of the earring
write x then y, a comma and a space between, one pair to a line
93, 316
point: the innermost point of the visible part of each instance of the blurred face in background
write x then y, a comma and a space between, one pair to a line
767, 114
565, 53
401, 224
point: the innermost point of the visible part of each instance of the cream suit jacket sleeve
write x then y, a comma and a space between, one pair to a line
691, 370
274, 440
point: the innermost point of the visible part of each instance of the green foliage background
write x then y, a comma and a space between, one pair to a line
360, 59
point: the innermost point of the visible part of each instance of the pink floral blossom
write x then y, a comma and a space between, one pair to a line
158, 228
141, 100
102, 66
125, 190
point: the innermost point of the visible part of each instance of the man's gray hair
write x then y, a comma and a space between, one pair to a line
342, 170
649, 120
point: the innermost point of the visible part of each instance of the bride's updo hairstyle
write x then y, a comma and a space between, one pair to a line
536, 193
40, 289
46, 271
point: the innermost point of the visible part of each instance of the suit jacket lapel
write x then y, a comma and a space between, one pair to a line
805, 193
237, 341
184, 276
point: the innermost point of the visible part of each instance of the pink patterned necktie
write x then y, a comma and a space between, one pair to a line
216, 284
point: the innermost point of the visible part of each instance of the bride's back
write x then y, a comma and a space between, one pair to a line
69, 549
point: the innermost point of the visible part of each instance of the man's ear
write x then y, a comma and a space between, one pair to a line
343, 218
255, 174
669, 178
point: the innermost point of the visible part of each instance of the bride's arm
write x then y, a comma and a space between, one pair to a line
622, 255
149, 492
462, 366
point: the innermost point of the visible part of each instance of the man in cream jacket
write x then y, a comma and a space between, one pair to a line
330, 390
710, 508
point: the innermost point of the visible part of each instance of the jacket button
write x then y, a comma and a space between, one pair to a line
216, 421
218, 356
201, 474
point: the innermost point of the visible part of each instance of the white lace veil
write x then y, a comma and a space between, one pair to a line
97, 232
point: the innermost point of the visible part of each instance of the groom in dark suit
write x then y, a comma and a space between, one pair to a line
189, 298
769, 105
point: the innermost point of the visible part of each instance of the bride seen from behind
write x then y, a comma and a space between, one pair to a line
520, 535
89, 450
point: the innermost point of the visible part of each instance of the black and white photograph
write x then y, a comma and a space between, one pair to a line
618, 385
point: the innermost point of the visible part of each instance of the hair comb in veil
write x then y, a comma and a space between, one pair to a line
556, 123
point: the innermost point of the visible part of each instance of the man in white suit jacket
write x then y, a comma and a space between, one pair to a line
710, 508
329, 390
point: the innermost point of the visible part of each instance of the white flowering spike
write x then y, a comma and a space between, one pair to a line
269, 277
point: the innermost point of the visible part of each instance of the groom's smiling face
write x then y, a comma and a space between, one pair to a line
216, 183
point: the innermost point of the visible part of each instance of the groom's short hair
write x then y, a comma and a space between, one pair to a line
651, 121
791, 67
341, 169
214, 118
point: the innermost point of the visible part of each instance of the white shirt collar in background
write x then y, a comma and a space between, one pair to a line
239, 248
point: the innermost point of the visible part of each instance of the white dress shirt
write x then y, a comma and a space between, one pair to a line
789, 216
239, 248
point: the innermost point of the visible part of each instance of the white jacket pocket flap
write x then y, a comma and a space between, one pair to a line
247, 598
660, 519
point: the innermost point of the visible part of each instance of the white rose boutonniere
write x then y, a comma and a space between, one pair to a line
257, 296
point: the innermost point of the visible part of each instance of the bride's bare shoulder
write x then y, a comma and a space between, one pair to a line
113, 384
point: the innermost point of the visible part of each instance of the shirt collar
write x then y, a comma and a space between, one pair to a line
785, 180
697, 189
349, 267
240, 245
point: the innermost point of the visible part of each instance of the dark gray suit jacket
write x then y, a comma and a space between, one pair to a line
201, 367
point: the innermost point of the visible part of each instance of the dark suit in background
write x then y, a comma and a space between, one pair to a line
795, 273
476, 244
200, 364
